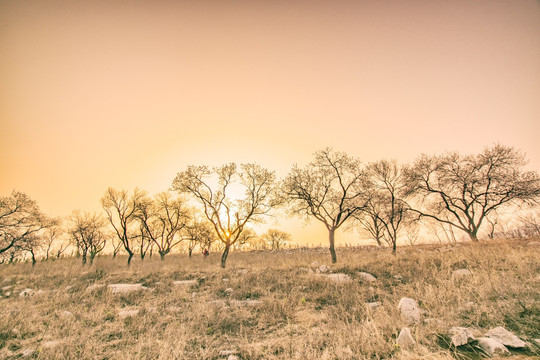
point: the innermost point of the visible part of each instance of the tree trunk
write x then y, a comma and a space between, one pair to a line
33, 258
162, 255
84, 259
189, 252
130, 256
474, 235
224, 255
331, 234
92, 256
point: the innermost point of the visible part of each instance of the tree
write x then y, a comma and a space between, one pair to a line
247, 237
51, 237
199, 232
330, 189
462, 191
87, 234
162, 220
21, 223
276, 238
386, 210
214, 189
121, 212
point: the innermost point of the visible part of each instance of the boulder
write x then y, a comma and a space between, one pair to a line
506, 338
125, 288
185, 282
410, 312
405, 338
460, 335
364, 276
492, 347
26, 292
461, 274
339, 278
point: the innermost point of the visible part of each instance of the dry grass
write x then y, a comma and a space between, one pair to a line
300, 315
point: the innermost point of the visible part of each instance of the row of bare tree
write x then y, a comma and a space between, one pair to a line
458, 192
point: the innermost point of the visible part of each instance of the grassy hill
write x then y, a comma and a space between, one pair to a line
271, 305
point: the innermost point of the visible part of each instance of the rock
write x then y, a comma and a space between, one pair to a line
51, 344
367, 277
225, 280
26, 292
193, 295
233, 357
315, 264
6, 288
536, 341
410, 312
16, 332
125, 313
239, 303
7, 294
40, 292
242, 271
69, 287
125, 288
339, 278
94, 287
323, 269
185, 282
506, 338
492, 347
227, 352
461, 274
229, 291
67, 315
28, 352
460, 335
373, 305
405, 338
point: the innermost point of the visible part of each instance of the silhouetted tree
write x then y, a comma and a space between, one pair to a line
276, 238
330, 189
199, 232
462, 191
87, 232
121, 212
212, 188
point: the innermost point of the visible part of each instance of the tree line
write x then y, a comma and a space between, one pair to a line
208, 206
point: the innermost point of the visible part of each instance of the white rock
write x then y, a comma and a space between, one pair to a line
367, 277
410, 312
94, 287
6, 288
69, 287
229, 290
26, 292
7, 294
233, 357
125, 313
460, 335
125, 288
373, 305
492, 347
227, 352
505, 337
460, 274
323, 269
339, 278
537, 341
239, 303
28, 352
67, 315
193, 295
225, 280
51, 344
185, 282
405, 338
40, 292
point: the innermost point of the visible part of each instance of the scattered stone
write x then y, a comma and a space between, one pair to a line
536, 341
69, 287
229, 291
409, 310
242, 271
185, 282
94, 287
405, 338
460, 335
67, 315
40, 292
125, 313
323, 269
398, 277
339, 278
492, 347
225, 280
26, 292
373, 305
367, 277
193, 295
227, 352
125, 288
461, 274
7, 294
51, 344
233, 357
16, 332
6, 288
470, 305
28, 352
239, 303
505, 337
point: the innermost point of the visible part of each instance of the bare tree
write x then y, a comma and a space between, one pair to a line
330, 189
276, 239
213, 189
246, 238
21, 223
370, 222
50, 238
201, 233
121, 212
386, 210
87, 234
116, 245
462, 191
162, 220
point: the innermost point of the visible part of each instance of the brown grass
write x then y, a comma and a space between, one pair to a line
301, 315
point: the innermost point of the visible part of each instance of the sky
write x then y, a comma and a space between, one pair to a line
128, 93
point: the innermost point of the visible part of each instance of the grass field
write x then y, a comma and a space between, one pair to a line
298, 314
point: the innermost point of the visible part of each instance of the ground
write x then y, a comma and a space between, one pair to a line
272, 305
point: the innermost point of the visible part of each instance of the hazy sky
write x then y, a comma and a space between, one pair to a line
127, 93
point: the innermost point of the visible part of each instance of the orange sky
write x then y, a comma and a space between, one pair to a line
127, 93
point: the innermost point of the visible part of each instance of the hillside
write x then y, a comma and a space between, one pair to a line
273, 305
